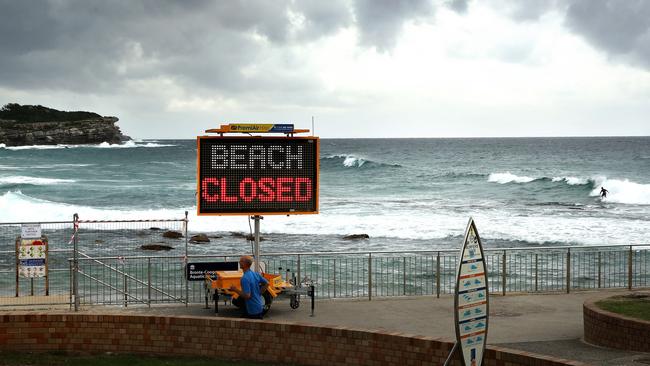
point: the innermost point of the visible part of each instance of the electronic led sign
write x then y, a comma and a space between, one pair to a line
257, 175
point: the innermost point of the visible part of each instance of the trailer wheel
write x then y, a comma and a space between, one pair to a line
268, 299
239, 302
294, 301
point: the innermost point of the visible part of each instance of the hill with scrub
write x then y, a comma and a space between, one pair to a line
39, 125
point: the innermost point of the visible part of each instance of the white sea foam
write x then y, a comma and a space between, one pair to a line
572, 181
503, 178
103, 145
35, 147
352, 161
622, 191
50, 166
349, 160
424, 223
18, 207
130, 144
37, 181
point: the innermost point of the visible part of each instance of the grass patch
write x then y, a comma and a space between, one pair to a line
635, 306
63, 359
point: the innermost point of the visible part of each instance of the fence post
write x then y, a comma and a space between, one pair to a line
438, 275
629, 268
126, 300
187, 258
334, 277
299, 277
568, 270
536, 273
70, 284
75, 261
369, 276
503, 273
149, 281
599, 269
404, 273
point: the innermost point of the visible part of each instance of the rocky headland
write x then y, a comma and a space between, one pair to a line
38, 125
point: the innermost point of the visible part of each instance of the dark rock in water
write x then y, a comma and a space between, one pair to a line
38, 125
172, 234
99, 241
356, 237
251, 237
215, 236
156, 246
199, 238
154, 228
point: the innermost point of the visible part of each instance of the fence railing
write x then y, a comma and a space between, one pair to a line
148, 280
91, 263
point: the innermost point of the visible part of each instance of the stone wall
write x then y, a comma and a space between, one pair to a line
90, 131
234, 339
607, 329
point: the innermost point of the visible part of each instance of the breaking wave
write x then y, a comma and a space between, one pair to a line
104, 145
503, 178
354, 161
36, 181
620, 190
494, 225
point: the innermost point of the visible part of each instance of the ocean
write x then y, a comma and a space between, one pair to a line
406, 194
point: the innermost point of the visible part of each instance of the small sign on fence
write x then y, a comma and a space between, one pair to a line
32, 257
196, 271
31, 260
30, 231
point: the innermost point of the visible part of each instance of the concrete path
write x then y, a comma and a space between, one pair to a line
550, 324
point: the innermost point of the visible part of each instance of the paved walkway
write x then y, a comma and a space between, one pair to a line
548, 324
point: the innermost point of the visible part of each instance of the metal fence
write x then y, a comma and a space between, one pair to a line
13, 288
75, 251
104, 262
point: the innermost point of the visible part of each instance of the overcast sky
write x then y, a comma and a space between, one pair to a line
362, 68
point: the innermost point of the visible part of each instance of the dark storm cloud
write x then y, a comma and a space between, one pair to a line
459, 6
619, 27
380, 21
323, 17
529, 10
100, 46
104, 46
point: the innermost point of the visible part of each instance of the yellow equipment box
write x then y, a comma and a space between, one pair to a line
218, 283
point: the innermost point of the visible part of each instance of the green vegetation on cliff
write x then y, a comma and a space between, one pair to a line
38, 113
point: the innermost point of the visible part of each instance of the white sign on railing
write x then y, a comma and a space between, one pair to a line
30, 231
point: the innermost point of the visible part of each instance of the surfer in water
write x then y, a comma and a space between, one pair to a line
603, 193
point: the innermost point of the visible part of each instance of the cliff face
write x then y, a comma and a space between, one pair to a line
87, 131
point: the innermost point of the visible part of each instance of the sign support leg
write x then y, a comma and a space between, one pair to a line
256, 249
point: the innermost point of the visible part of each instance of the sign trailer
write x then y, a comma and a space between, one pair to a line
254, 176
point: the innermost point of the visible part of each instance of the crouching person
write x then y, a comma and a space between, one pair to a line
253, 285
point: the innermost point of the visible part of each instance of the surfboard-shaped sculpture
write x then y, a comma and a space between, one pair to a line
471, 299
